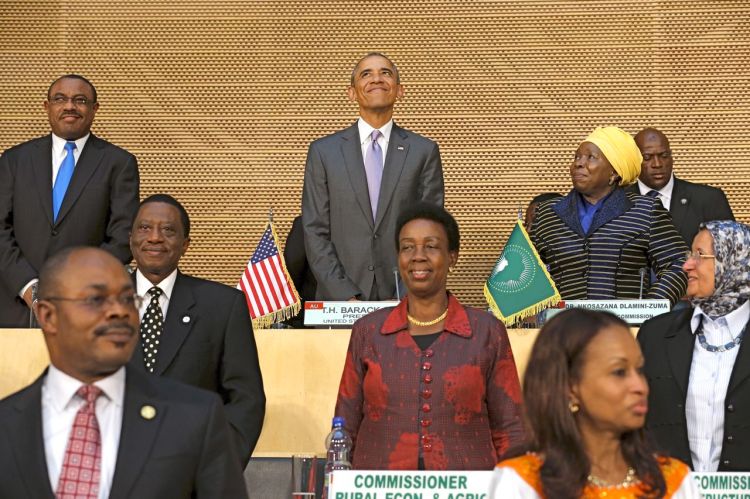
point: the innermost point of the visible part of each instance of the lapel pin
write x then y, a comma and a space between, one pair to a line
683, 201
400, 148
148, 412
186, 319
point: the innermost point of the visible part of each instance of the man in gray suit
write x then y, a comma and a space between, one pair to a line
687, 202
357, 181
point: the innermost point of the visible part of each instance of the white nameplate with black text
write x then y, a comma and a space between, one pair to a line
340, 313
631, 311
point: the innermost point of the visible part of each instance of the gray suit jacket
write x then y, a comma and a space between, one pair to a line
182, 452
97, 210
692, 204
345, 248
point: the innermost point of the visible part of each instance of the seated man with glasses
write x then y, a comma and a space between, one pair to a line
65, 189
697, 367
93, 427
688, 203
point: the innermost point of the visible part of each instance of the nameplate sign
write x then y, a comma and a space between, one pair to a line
723, 485
410, 485
631, 311
340, 313
476, 485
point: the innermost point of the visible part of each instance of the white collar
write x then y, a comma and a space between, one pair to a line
61, 387
365, 130
142, 284
58, 143
735, 320
665, 192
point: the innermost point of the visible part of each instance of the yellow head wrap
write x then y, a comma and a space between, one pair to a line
620, 150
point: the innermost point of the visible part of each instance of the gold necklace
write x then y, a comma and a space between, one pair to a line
427, 323
630, 479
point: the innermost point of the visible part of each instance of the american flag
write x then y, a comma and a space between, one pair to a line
270, 293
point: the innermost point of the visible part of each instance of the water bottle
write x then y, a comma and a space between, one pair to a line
339, 445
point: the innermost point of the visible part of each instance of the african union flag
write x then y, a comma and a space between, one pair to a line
519, 285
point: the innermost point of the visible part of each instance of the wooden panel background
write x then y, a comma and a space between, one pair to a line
219, 99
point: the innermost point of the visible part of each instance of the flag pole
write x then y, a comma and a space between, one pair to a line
270, 214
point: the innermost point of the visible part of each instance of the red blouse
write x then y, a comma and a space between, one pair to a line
457, 404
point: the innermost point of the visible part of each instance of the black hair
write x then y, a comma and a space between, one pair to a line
166, 198
73, 77
429, 211
375, 54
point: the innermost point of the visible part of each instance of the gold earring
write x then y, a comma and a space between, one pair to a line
573, 407
451, 269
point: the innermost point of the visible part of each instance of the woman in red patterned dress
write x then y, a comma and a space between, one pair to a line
429, 384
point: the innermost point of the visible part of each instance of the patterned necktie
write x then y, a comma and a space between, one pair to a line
374, 171
64, 174
152, 325
652, 194
79, 478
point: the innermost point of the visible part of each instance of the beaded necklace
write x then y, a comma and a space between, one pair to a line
718, 348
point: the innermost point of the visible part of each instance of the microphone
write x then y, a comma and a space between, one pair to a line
642, 272
395, 276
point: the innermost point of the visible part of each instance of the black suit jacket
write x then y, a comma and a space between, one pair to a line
97, 210
208, 342
692, 204
667, 344
183, 452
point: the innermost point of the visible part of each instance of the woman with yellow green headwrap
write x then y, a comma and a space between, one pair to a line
601, 242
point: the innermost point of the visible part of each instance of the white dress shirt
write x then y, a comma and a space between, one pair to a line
365, 135
59, 409
58, 155
707, 388
142, 285
665, 193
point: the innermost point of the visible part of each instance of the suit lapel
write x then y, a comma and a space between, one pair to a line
137, 358
677, 209
398, 148
679, 344
24, 432
614, 206
741, 369
88, 162
567, 209
351, 149
138, 433
41, 163
178, 323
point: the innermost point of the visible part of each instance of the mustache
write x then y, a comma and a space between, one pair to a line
70, 113
105, 329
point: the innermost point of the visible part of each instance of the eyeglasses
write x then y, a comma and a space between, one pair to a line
697, 255
78, 101
98, 302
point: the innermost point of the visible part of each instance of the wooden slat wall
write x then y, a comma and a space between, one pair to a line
219, 99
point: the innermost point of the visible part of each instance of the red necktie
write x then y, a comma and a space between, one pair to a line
79, 478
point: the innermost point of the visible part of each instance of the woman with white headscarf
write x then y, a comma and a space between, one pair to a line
697, 365
600, 242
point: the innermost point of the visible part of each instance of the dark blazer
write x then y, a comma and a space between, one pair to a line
346, 250
98, 210
629, 233
208, 342
183, 452
692, 204
299, 270
667, 345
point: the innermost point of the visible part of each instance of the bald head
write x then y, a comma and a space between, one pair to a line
656, 168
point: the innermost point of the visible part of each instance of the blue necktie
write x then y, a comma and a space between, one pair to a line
64, 174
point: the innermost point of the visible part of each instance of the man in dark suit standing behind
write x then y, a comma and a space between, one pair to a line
357, 182
688, 203
193, 330
65, 189
90, 427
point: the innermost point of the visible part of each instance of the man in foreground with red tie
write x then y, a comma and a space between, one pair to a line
90, 427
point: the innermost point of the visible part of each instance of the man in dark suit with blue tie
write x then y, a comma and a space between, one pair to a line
68, 188
93, 427
688, 203
357, 182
